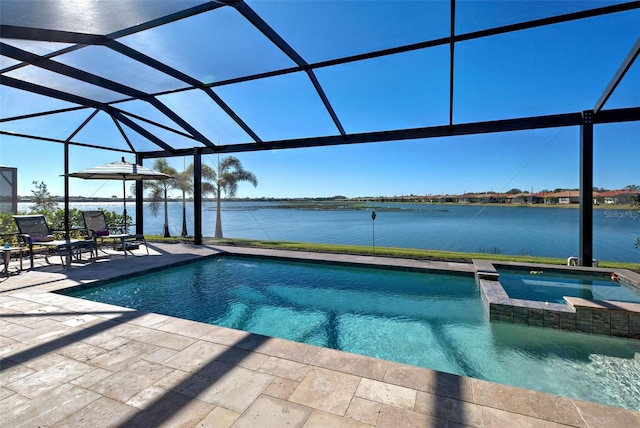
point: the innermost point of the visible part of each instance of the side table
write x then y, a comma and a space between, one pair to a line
7, 257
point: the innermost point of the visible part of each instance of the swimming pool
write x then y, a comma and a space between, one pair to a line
430, 320
545, 286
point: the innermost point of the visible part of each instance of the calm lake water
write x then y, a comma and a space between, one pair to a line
536, 231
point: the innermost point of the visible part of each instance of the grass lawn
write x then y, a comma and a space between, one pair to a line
410, 253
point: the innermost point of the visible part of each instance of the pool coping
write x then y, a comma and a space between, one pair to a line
600, 317
363, 391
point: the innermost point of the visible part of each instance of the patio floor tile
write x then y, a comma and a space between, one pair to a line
43, 381
285, 368
225, 336
496, 418
219, 418
4, 393
47, 409
434, 382
326, 390
320, 419
16, 409
13, 373
281, 388
394, 417
123, 356
158, 338
168, 409
386, 393
365, 411
92, 378
271, 412
130, 381
295, 351
196, 356
80, 351
530, 403
235, 388
596, 415
186, 328
358, 365
448, 408
101, 413
160, 355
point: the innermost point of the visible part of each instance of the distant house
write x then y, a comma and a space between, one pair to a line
470, 198
444, 198
495, 198
520, 198
619, 197
467, 198
537, 198
566, 197
487, 198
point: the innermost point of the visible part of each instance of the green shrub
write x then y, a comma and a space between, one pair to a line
55, 219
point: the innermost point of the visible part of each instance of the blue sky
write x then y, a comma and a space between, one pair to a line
564, 68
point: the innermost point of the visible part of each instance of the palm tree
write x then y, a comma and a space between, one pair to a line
160, 189
230, 172
184, 182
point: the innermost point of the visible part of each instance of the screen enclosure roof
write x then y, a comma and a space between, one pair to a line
162, 78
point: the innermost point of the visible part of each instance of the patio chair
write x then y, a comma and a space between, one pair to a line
37, 235
96, 226
5, 265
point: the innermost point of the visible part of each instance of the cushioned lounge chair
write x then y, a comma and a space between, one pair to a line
37, 235
96, 226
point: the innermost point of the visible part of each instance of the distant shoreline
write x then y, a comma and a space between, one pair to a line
357, 203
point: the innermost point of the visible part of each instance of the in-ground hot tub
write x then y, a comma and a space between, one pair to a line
588, 300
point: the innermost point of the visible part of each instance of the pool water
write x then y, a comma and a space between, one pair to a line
550, 287
431, 320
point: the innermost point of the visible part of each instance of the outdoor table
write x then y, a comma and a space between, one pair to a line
74, 248
7, 257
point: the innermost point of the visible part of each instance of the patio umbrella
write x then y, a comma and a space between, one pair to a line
120, 170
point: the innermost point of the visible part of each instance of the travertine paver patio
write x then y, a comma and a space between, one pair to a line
68, 362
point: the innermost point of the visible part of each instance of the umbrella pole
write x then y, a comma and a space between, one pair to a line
124, 200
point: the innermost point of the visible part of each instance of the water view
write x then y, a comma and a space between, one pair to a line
519, 230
